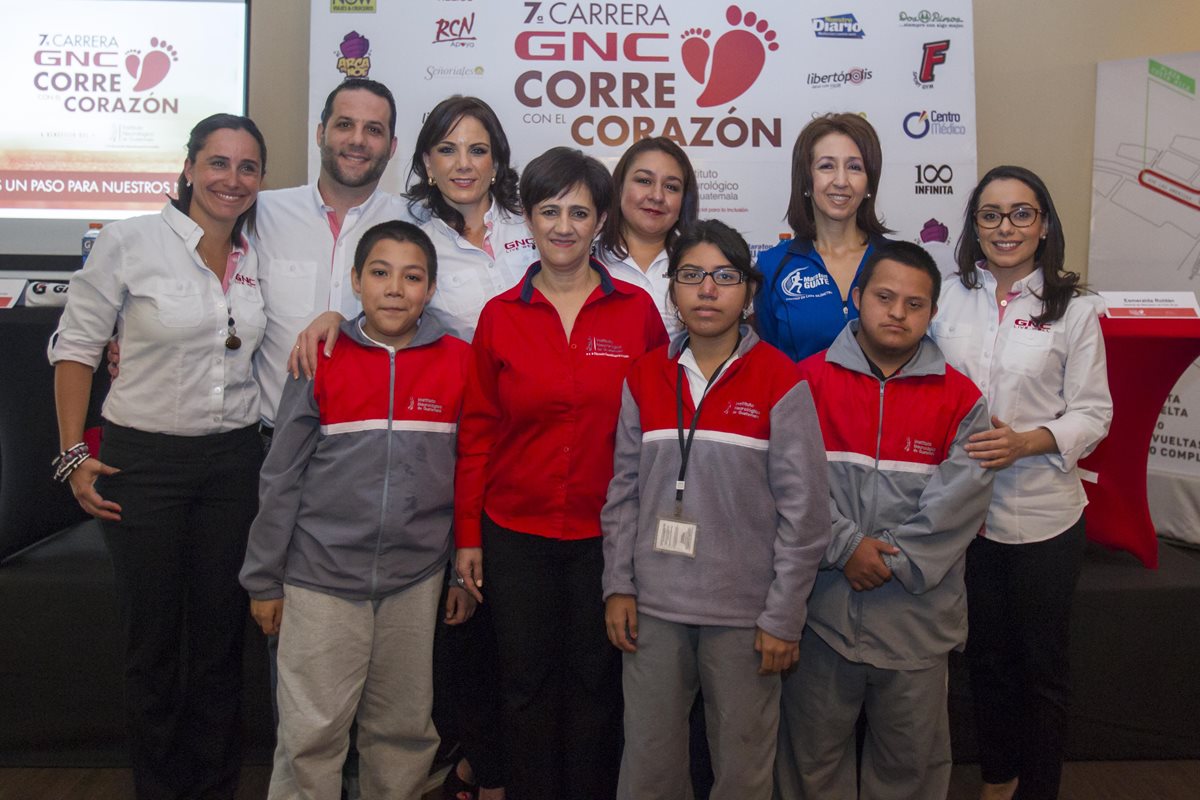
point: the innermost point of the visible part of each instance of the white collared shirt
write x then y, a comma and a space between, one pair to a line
654, 281
697, 383
145, 276
305, 271
1052, 376
467, 276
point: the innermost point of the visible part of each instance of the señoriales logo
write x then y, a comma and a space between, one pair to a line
837, 26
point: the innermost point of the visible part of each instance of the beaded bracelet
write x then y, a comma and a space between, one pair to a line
69, 460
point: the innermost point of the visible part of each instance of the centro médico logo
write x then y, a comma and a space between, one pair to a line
834, 80
837, 26
735, 60
920, 124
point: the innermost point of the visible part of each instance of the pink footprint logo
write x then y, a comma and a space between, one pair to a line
151, 70
734, 62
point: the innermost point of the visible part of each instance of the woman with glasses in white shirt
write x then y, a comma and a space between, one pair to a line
175, 484
1019, 325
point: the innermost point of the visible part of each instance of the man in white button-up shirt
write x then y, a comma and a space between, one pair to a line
307, 234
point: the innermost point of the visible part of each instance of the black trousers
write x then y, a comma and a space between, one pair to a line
1019, 609
560, 677
466, 693
186, 508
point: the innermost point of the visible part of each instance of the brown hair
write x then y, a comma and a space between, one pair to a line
800, 210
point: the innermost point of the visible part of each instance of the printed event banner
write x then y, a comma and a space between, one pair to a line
1145, 236
733, 83
100, 96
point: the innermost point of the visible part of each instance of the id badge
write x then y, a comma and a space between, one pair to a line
676, 536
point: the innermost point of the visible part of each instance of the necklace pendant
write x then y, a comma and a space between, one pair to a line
232, 342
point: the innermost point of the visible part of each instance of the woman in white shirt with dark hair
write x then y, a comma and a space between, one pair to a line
175, 484
656, 195
1019, 325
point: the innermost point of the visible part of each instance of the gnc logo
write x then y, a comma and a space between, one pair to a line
733, 63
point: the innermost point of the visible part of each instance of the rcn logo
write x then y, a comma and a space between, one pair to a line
837, 26
919, 124
932, 54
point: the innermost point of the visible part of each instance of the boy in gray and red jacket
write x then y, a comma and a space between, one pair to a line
347, 555
889, 602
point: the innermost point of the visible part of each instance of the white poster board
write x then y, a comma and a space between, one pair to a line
1145, 236
732, 83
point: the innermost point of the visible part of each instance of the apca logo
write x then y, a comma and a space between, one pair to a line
455, 32
153, 67
734, 62
837, 26
934, 179
932, 54
354, 55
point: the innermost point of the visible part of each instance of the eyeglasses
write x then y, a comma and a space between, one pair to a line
722, 276
1020, 217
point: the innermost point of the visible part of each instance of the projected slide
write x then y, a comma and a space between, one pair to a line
99, 96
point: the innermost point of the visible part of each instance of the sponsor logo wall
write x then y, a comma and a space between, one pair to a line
733, 83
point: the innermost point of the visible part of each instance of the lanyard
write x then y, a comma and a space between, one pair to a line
685, 445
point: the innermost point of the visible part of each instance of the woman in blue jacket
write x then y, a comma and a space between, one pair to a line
804, 301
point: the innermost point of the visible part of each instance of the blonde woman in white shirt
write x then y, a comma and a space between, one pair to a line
175, 484
1020, 326
656, 195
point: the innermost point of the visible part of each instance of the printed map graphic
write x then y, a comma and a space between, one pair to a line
1146, 175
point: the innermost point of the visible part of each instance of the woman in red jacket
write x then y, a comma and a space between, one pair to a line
535, 458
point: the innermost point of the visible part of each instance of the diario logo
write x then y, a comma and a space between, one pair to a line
734, 61
932, 54
929, 19
150, 70
934, 179
837, 26
833, 80
919, 124
351, 6
354, 55
455, 32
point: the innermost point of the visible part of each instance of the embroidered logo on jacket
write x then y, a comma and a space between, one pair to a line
918, 446
796, 284
743, 408
244, 280
518, 244
1030, 325
425, 404
605, 347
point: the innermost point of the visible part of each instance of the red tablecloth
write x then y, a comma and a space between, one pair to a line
1145, 359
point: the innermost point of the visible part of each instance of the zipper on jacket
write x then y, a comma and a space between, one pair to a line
387, 469
874, 503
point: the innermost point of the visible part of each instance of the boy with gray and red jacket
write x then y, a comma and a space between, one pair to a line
347, 555
889, 603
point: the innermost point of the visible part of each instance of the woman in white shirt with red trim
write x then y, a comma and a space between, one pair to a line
1020, 326
177, 488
